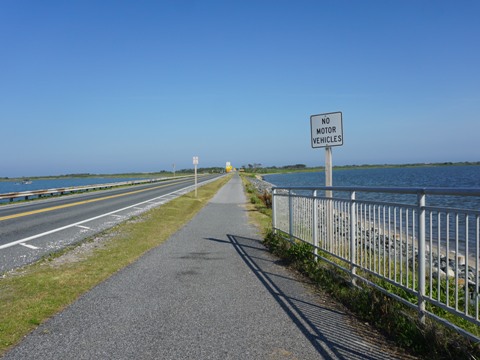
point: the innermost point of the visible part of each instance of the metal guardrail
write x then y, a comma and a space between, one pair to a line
390, 239
72, 189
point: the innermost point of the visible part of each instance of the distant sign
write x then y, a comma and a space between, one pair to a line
326, 130
195, 160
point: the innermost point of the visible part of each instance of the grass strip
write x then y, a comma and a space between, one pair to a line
36, 292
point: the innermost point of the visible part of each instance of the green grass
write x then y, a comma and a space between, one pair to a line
34, 293
261, 215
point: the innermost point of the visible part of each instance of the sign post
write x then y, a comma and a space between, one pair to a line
327, 131
328, 170
195, 163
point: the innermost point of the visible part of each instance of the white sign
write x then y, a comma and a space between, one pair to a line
327, 130
195, 160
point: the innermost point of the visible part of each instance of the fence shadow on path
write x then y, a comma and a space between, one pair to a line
332, 332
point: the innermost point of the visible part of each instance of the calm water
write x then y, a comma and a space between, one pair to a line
444, 176
12, 186
441, 176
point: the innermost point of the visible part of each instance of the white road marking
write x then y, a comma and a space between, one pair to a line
84, 227
4, 246
30, 246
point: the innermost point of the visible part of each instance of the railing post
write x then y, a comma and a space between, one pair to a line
353, 238
274, 210
329, 219
290, 215
315, 225
421, 257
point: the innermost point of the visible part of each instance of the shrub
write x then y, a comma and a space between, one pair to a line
266, 199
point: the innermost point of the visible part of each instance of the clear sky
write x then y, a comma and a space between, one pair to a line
116, 86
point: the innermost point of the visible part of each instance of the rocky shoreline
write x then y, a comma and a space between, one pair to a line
440, 267
260, 185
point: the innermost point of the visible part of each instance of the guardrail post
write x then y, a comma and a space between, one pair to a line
421, 257
290, 215
353, 238
315, 225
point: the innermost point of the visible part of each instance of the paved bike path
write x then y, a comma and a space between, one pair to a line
211, 291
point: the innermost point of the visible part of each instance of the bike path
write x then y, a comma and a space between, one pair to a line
212, 291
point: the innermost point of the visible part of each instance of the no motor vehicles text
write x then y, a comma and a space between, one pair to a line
327, 139
326, 130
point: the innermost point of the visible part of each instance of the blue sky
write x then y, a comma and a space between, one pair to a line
136, 86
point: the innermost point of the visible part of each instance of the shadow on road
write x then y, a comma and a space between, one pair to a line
333, 333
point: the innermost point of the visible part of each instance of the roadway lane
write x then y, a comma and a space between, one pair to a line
31, 230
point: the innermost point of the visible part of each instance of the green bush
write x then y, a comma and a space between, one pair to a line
266, 199
254, 200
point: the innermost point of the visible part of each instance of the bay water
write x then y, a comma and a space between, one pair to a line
428, 176
42, 184
404, 177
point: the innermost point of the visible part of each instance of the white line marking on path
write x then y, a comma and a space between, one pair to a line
84, 227
30, 246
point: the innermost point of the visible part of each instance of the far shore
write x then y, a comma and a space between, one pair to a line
257, 170
297, 169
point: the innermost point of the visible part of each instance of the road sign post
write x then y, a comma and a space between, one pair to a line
195, 163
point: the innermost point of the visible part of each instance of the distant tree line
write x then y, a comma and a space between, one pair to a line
257, 168
210, 170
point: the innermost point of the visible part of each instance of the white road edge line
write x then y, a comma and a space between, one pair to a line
4, 246
30, 246
84, 227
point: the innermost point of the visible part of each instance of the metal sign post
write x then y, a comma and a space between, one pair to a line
195, 163
328, 170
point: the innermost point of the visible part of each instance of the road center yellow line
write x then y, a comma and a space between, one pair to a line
14, 216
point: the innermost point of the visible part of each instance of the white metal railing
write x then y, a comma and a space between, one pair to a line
390, 236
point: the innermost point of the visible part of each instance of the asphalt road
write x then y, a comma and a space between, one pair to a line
212, 291
32, 229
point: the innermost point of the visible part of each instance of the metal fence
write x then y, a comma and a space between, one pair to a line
426, 256
73, 189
